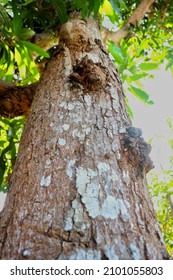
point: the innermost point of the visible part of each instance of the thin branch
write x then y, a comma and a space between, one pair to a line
16, 100
164, 10
46, 40
134, 19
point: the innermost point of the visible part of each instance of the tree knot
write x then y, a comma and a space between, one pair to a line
137, 151
89, 74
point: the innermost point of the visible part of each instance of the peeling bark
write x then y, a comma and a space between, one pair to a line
77, 191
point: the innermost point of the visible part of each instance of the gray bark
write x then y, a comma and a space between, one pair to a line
79, 188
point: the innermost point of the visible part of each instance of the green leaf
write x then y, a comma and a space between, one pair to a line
117, 9
87, 6
141, 94
133, 69
4, 187
118, 6
13, 151
27, 69
25, 34
169, 58
94, 6
34, 48
4, 18
106, 8
17, 20
123, 4
138, 76
148, 66
4, 55
20, 60
169, 64
84, 8
27, 2
115, 52
61, 10
131, 114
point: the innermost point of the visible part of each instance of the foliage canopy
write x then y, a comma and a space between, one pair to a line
161, 190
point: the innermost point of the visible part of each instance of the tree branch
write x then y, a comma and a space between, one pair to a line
164, 9
134, 19
15, 100
46, 40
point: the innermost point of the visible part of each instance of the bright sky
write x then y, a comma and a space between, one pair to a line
152, 118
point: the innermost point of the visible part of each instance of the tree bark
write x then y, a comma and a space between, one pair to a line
79, 190
15, 100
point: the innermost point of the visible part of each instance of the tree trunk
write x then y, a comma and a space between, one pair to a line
78, 190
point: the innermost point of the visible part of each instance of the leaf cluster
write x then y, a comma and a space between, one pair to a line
10, 133
146, 46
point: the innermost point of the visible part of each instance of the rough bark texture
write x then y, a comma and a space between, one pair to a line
78, 190
15, 101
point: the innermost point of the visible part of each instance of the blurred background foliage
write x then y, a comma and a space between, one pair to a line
161, 191
147, 46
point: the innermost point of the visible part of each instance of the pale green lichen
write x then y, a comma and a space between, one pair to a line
92, 194
70, 168
61, 141
82, 254
135, 251
110, 252
69, 220
65, 126
102, 167
45, 181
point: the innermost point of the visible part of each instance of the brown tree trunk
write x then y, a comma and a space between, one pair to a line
15, 100
78, 190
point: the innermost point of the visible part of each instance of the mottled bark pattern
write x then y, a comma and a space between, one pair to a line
75, 192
